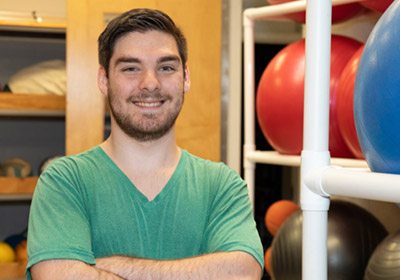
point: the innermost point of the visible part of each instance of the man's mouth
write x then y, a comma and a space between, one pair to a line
148, 104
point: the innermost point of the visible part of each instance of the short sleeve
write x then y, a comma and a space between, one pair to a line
58, 224
231, 225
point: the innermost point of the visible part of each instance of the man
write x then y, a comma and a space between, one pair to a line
137, 206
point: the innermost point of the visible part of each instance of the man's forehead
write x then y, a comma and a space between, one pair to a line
155, 43
161, 59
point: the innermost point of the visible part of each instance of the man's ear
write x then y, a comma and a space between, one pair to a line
186, 85
102, 80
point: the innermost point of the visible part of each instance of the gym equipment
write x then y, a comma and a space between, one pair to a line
344, 104
377, 5
280, 95
267, 258
377, 95
15, 167
7, 253
277, 213
353, 234
339, 13
384, 263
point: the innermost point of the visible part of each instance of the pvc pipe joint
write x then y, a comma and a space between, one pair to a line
313, 180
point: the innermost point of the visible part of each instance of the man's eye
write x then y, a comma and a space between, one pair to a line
130, 69
167, 68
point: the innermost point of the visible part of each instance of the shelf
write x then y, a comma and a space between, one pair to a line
17, 186
31, 104
15, 270
31, 22
273, 157
33, 25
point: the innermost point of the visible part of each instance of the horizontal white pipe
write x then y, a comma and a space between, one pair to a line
277, 11
273, 157
354, 183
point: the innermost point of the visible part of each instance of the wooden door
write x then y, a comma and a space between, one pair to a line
198, 127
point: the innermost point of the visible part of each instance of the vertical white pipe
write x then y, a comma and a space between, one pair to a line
316, 102
234, 141
316, 136
249, 105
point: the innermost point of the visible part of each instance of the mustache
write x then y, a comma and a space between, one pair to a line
146, 95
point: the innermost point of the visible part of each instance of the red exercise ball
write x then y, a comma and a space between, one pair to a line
277, 213
280, 97
344, 104
377, 5
339, 13
267, 263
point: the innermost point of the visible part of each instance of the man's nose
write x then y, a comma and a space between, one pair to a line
150, 81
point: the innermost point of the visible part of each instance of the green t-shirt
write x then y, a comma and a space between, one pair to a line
84, 207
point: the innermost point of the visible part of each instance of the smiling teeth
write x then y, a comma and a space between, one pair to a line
148, 104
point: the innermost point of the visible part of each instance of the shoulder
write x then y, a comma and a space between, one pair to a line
215, 171
78, 161
193, 160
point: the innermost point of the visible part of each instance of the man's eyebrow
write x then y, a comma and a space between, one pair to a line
137, 60
127, 60
169, 58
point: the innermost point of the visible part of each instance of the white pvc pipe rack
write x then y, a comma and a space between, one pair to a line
319, 180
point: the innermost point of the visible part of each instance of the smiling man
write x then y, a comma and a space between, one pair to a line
137, 206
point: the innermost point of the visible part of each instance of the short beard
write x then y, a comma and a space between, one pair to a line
140, 132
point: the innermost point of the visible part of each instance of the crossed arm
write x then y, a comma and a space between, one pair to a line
230, 265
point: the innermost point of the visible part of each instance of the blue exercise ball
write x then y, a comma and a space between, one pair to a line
377, 94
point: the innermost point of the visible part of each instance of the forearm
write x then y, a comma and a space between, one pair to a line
69, 270
233, 265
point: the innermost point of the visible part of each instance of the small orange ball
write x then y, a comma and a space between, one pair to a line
267, 263
21, 251
277, 213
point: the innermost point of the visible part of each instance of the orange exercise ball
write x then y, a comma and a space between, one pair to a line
277, 213
377, 5
339, 13
280, 94
344, 104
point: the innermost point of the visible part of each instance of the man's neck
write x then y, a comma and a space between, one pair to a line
149, 165
126, 151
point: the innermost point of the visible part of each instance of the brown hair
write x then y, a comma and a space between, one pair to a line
139, 20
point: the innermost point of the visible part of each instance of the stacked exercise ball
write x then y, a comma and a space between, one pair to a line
377, 5
353, 235
384, 263
277, 213
344, 104
377, 95
280, 97
339, 13
275, 216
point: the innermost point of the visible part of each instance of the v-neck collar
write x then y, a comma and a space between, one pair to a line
136, 192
